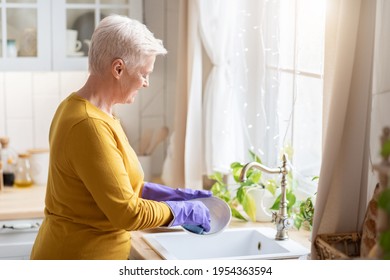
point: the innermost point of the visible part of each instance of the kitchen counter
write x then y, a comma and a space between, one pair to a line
28, 203
22, 203
140, 250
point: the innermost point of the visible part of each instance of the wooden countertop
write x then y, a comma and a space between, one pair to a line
22, 203
140, 250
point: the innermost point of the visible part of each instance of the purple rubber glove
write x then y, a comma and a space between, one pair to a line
193, 213
159, 192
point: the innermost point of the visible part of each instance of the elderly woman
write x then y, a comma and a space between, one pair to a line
95, 191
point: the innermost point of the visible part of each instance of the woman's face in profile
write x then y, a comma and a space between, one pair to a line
132, 81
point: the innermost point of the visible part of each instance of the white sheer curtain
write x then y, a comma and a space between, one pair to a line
183, 164
208, 130
349, 48
224, 136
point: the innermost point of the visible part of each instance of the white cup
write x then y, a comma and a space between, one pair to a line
72, 44
39, 161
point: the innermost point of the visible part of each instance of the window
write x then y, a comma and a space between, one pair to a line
283, 88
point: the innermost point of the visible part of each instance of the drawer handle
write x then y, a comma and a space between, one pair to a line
22, 226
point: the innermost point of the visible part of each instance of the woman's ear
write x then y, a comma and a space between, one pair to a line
117, 68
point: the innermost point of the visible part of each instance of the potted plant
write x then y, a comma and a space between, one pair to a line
241, 200
384, 206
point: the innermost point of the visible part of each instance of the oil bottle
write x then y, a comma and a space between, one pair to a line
8, 157
23, 176
1, 176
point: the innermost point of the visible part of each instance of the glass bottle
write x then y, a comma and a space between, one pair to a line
23, 176
8, 157
1, 176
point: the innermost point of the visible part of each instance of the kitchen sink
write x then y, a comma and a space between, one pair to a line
233, 243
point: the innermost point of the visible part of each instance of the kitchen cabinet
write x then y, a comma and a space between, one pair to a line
53, 34
25, 26
21, 214
17, 238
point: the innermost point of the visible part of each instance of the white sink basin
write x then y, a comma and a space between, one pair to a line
241, 243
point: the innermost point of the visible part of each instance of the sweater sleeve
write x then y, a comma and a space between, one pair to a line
94, 156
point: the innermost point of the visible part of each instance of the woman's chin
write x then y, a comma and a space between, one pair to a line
130, 100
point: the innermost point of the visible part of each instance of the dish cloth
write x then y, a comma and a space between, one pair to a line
194, 229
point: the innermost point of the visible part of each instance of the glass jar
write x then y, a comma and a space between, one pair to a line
1, 176
8, 157
23, 176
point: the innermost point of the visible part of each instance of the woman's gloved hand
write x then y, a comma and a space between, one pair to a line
159, 192
193, 213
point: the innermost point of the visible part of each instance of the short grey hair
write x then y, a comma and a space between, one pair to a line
121, 37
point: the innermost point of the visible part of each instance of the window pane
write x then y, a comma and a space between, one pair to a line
21, 1
114, 1
287, 34
310, 35
21, 32
285, 108
111, 2
308, 126
80, 1
82, 22
122, 12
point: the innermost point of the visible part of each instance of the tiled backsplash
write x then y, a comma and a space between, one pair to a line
28, 101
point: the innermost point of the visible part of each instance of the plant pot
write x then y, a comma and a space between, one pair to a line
263, 201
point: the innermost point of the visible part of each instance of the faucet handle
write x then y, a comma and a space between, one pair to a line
287, 223
274, 216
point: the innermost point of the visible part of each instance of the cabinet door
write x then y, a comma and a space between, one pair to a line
74, 22
17, 238
25, 35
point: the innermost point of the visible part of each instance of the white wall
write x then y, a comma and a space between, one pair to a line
154, 106
28, 100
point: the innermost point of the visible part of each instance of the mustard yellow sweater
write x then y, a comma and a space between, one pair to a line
93, 190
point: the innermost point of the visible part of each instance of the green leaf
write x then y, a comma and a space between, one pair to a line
247, 202
236, 165
220, 190
240, 194
291, 200
271, 185
254, 157
384, 200
236, 171
298, 222
254, 176
237, 214
217, 188
385, 151
249, 206
315, 178
276, 204
217, 176
384, 242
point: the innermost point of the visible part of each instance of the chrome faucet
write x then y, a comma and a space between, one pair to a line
281, 219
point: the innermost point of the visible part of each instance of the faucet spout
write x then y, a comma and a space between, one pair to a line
281, 219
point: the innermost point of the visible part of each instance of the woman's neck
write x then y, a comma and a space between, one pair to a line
98, 93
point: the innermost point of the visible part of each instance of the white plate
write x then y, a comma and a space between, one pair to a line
220, 215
